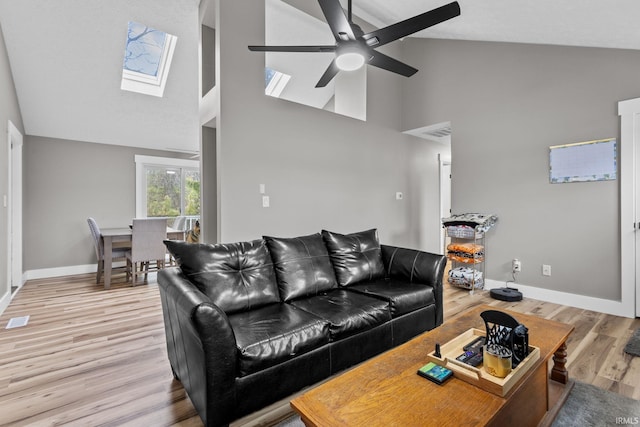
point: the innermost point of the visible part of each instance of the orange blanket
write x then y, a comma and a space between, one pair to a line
467, 248
466, 259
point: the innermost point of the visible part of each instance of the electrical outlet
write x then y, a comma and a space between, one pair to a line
516, 266
546, 270
265, 202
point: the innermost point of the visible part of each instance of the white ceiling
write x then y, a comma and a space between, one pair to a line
66, 59
305, 68
66, 55
594, 23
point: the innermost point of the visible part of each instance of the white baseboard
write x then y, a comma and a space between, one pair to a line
70, 270
600, 305
44, 273
4, 301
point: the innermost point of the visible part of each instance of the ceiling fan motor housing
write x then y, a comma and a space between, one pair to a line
354, 47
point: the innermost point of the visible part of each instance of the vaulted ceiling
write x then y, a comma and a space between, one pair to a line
592, 23
66, 55
66, 58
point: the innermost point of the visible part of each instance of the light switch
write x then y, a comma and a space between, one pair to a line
399, 195
265, 201
262, 189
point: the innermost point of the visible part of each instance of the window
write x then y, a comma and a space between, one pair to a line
147, 59
167, 187
275, 82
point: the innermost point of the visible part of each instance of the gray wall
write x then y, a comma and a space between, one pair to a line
208, 73
65, 183
507, 104
208, 187
321, 170
9, 110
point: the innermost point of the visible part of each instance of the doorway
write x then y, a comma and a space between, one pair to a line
445, 198
629, 159
14, 209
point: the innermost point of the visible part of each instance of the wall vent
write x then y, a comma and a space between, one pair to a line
440, 132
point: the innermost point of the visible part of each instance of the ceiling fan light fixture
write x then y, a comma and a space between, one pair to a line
354, 48
350, 61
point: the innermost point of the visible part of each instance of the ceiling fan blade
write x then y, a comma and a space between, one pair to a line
292, 48
337, 20
412, 25
329, 74
385, 62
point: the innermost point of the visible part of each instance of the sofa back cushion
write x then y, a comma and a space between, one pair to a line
235, 276
302, 265
355, 257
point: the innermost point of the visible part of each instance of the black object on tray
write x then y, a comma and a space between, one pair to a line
502, 329
475, 345
470, 358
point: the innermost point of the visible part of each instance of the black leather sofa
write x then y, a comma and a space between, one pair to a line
249, 323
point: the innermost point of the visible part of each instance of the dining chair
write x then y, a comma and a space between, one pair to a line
147, 246
179, 223
118, 253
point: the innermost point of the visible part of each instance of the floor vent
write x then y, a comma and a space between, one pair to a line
16, 322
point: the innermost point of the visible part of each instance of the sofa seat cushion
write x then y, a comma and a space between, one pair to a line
274, 334
356, 257
403, 296
348, 313
235, 276
302, 265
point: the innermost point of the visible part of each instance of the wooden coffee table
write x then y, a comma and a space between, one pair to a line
386, 391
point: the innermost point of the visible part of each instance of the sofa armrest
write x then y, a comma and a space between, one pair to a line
417, 267
201, 346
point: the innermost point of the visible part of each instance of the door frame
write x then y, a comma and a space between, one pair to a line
443, 188
14, 207
629, 112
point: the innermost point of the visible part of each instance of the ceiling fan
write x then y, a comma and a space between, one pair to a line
354, 48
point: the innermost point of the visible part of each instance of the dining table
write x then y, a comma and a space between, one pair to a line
113, 237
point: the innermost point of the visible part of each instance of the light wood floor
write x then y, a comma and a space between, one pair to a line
91, 357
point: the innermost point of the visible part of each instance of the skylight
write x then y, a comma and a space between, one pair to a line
275, 82
147, 59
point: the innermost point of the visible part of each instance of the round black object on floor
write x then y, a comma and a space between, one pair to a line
506, 294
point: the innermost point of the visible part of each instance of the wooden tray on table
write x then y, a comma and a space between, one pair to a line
477, 375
